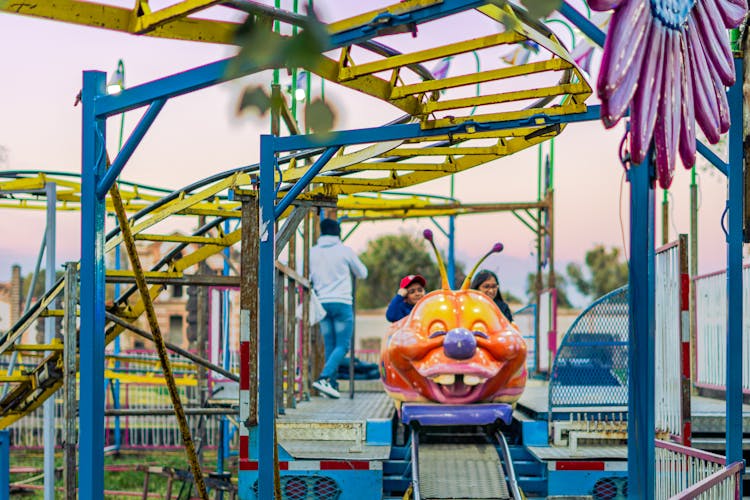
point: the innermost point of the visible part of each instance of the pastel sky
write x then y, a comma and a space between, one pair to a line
198, 135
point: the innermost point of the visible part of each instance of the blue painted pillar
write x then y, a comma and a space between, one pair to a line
641, 333
734, 272
266, 337
4, 465
91, 368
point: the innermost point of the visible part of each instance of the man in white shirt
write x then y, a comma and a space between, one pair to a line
331, 265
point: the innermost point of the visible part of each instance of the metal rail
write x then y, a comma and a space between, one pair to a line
508, 461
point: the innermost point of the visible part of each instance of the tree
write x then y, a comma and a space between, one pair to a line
40, 287
388, 259
561, 285
606, 270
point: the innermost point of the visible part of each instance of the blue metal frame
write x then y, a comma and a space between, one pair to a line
712, 157
587, 27
734, 272
97, 106
129, 148
4, 465
266, 338
642, 292
300, 185
91, 368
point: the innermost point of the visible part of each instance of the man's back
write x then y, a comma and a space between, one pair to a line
331, 264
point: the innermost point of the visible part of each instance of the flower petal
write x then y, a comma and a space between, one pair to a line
715, 41
604, 4
721, 98
645, 100
687, 127
627, 30
732, 11
706, 106
666, 132
614, 107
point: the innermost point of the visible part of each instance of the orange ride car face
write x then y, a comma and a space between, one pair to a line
455, 347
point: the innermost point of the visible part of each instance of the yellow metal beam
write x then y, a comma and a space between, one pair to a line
14, 378
119, 19
37, 347
149, 379
368, 17
124, 273
510, 115
146, 22
516, 95
482, 77
182, 203
393, 62
178, 238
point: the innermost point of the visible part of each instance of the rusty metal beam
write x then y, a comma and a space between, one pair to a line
135, 263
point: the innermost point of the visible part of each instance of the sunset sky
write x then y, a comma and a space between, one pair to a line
198, 135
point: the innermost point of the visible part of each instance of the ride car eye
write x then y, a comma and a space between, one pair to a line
480, 329
437, 328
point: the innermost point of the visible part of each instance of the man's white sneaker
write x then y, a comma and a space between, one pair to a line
324, 386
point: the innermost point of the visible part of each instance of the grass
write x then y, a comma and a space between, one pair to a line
120, 472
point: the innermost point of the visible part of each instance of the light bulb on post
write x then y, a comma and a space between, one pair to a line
117, 80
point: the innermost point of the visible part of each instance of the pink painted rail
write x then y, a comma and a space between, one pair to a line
685, 473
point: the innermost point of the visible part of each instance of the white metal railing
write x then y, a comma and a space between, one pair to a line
686, 473
138, 431
525, 320
711, 328
668, 396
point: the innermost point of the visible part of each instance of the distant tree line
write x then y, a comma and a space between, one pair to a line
391, 257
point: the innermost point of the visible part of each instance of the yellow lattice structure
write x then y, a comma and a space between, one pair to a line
551, 86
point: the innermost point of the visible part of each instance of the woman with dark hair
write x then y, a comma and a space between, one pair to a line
486, 282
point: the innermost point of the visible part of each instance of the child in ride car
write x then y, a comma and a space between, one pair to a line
410, 290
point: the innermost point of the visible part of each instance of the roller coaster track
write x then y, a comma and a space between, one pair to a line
370, 67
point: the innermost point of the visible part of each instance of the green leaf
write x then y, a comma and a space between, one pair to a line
254, 98
319, 116
306, 47
260, 47
539, 9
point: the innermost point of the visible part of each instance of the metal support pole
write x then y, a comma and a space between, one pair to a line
249, 314
27, 304
116, 382
223, 450
734, 272
452, 238
693, 272
665, 218
291, 327
266, 287
552, 282
307, 331
4, 465
48, 433
452, 251
642, 329
91, 415
70, 402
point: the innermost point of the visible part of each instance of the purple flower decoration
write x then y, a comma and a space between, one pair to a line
669, 60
